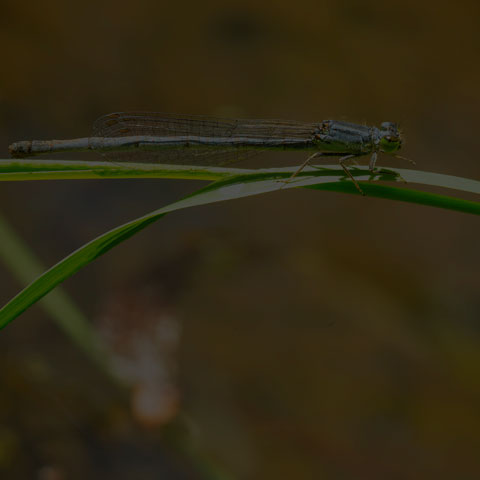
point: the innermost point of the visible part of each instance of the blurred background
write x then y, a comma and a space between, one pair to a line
299, 334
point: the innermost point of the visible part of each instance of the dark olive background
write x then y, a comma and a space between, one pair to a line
323, 335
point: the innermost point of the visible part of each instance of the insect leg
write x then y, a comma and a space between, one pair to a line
308, 161
303, 165
347, 171
373, 160
341, 161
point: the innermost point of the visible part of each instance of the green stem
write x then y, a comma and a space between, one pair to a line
21, 170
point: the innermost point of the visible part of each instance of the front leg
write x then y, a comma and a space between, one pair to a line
371, 167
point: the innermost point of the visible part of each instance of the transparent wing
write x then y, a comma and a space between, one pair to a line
171, 125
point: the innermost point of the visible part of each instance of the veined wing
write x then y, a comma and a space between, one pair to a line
171, 125
163, 124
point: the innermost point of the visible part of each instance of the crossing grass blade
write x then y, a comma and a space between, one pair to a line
233, 184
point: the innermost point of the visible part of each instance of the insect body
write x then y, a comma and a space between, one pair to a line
203, 140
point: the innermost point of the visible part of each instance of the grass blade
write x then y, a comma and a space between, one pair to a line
249, 182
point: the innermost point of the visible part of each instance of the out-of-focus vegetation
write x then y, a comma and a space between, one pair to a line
298, 335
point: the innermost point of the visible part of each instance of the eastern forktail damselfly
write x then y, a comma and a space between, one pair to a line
204, 140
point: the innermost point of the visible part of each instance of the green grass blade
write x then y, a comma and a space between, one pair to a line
41, 169
250, 182
404, 195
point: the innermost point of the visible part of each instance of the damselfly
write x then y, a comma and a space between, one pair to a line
203, 140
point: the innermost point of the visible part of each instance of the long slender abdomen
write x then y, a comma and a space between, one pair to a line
153, 143
28, 148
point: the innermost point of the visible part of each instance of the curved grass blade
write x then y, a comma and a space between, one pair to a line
253, 182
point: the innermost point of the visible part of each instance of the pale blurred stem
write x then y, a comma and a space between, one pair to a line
25, 267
